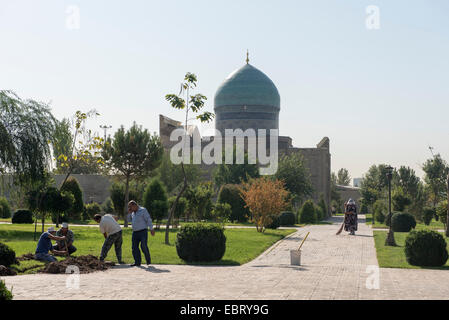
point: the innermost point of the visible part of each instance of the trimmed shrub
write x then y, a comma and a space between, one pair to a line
426, 248
22, 216
428, 214
230, 193
5, 294
276, 223
91, 209
5, 209
307, 212
403, 222
201, 242
287, 218
155, 200
7, 255
72, 186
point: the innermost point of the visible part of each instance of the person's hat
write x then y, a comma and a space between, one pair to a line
51, 229
65, 225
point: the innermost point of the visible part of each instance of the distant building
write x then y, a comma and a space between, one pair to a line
357, 182
248, 99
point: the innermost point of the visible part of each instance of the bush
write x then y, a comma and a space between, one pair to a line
222, 212
319, 213
403, 222
7, 255
323, 207
363, 208
180, 207
274, 224
5, 294
107, 206
230, 193
155, 200
22, 216
91, 209
380, 211
287, 218
5, 209
117, 194
201, 242
307, 213
426, 248
441, 211
72, 186
428, 214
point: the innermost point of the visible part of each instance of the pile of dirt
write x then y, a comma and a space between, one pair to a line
5, 271
86, 264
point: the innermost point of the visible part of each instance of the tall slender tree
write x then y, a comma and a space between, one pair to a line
188, 103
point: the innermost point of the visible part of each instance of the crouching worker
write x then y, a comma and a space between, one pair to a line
112, 232
44, 245
61, 244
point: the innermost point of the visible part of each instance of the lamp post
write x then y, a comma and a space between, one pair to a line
390, 237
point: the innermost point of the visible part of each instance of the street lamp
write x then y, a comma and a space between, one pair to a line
390, 237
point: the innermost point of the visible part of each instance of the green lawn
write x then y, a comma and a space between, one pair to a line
394, 257
242, 245
434, 225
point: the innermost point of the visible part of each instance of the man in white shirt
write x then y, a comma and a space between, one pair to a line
112, 232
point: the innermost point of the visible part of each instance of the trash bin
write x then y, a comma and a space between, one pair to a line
295, 257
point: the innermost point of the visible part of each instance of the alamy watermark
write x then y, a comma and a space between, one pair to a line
372, 21
73, 280
73, 19
212, 153
373, 279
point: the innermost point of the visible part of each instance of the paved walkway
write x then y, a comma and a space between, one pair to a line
333, 267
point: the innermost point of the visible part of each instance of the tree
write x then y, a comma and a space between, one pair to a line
235, 173
26, 127
374, 184
436, 172
132, 154
194, 104
74, 188
400, 199
171, 174
265, 198
406, 178
447, 216
296, 176
199, 200
85, 149
343, 177
155, 200
62, 143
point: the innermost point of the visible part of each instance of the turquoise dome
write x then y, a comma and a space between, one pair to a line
247, 86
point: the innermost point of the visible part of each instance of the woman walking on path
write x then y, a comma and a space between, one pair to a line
350, 217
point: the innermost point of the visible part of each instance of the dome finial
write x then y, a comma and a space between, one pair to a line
247, 56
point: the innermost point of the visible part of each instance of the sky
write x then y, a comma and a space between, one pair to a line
375, 82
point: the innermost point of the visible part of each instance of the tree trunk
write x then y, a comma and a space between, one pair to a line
125, 210
175, 203
447, 217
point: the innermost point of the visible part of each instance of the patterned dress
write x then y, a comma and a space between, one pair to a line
351, 218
